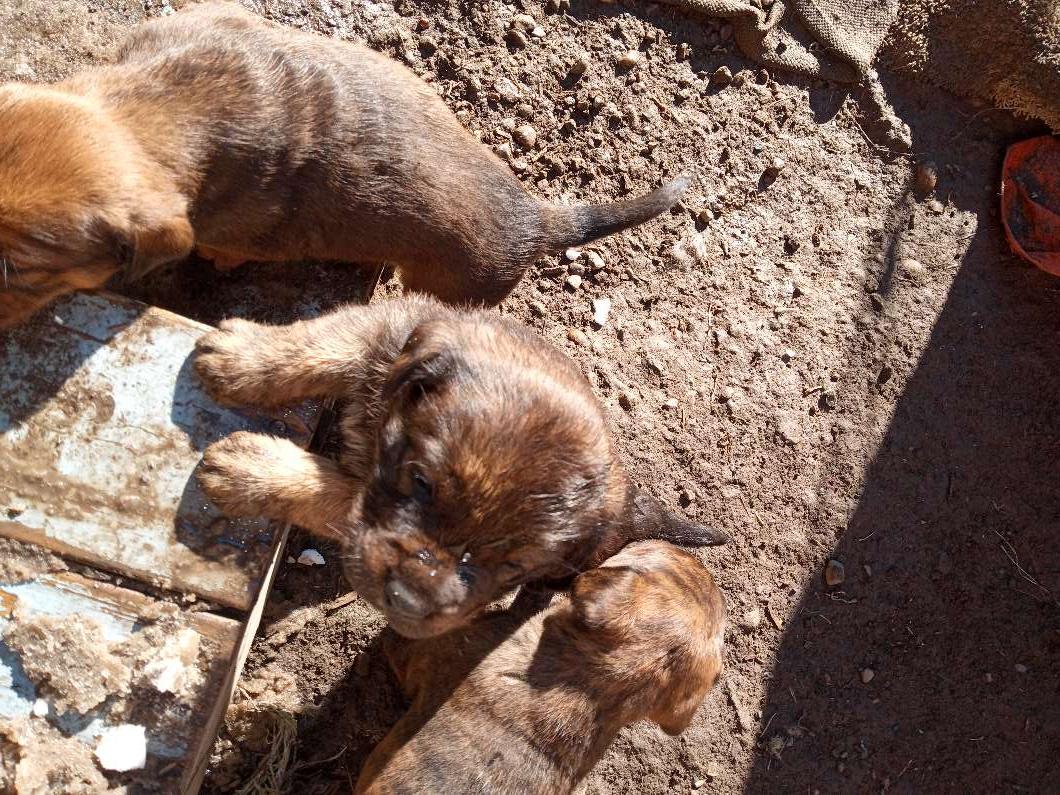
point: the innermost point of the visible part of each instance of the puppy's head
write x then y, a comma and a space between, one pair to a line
493, 463
78, 202
653, 625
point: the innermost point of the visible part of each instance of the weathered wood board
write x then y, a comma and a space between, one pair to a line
102, 424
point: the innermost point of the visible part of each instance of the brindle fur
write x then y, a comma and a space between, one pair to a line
475, 457
509, 705
218, 130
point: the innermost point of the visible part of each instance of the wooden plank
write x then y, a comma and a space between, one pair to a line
79, 658
102, 424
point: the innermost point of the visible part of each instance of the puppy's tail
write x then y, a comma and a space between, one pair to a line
651, 520
575, 226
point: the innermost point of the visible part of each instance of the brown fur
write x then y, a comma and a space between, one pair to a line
475, 457
513, 706
218, 130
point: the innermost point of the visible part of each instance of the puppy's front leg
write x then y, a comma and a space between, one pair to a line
245, 363
250, 474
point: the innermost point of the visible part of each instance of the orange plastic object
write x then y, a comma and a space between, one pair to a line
1030, 201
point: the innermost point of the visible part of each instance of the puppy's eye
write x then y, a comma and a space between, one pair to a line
414, 484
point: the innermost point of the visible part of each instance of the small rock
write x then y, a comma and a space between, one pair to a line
507, 91
504, 152
596, 262
578, 337
722, 77
628, 59
122, 748
538, 32
40, 708
519, 164
572, 254
739, 80
525, 135
310, 557
422, 24
698, 783
867, 675
927, 177
670, 403
752, 619
576, 268
713, 771
579, 67
601, 309
787, 356
516, 38
574, 281
834, 573
538, 309
936, 206
776, 166
1020, 668
523, 22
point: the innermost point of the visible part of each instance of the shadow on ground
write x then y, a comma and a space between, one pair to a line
935, 666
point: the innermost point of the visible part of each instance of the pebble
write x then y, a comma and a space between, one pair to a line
752, 619
936, 206
422, 24
520, 164
628, 59
504, 151
310, 557
507, 91
698, 783
574, 281
722, 77
524, 21
516, 38
776, 166
576, 268
538, 32
122, 748
867, 675
927, 177
40, 708
579, 67
834, 573
538, 309
670, 403
525, 135
578, 337
573, 254
1021, 668
596, 262
601, 309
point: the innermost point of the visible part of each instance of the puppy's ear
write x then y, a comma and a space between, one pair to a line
600, 597
651, 520
676, 710
422, 366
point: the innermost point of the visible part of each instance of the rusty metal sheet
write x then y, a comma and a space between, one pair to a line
102, 424
80, 659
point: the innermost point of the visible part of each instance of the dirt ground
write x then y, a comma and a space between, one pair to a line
812, 354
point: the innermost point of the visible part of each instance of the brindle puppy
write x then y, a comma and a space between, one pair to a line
509, 707
218, 130
475, 457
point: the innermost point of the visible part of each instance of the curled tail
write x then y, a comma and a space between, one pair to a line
574, 226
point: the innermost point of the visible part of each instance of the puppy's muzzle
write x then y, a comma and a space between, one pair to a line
401, 599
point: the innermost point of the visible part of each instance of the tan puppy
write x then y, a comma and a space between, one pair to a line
218, 130
475, 457
510, 707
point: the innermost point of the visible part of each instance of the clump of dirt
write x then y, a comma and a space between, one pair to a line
49, 761
255, 749
69, 660
20, 562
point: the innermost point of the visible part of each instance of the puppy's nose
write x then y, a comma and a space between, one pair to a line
402, 599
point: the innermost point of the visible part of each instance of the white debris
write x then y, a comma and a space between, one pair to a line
122, 748
601, 309
40, 708
310, 557
174, 666
572, 254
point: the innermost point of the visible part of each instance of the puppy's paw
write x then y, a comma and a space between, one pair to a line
239, 474
233, 362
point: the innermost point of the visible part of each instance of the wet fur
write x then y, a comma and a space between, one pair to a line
220, 131
523, 481
510, 705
